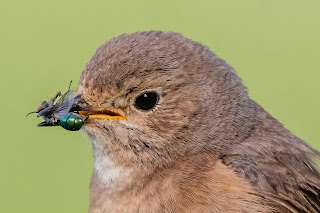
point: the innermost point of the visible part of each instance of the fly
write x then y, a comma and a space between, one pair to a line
62, 113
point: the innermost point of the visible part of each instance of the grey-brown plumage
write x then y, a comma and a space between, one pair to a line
205, 147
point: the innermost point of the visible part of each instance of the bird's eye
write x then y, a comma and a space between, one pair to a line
147, 100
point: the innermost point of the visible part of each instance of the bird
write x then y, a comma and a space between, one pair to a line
173, 129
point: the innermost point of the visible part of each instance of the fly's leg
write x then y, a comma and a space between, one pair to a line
54, 98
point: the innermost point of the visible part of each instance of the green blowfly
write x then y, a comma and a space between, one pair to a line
62, 112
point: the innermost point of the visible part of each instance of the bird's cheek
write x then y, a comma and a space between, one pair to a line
92, 129
96, 134
90, 132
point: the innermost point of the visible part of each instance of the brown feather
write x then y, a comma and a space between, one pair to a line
205, 147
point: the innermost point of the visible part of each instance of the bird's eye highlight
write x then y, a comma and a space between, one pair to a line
147, 100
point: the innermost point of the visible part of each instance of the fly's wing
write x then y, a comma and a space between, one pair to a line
66, 96
70, 94
63, 108
64, 104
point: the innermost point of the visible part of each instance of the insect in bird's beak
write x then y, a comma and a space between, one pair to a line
71, 111
62, 112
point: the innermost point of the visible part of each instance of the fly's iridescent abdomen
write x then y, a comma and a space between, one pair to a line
72, 121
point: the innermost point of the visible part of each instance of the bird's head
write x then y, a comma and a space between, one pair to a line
154, 96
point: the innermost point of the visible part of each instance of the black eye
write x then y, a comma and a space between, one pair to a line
147, 100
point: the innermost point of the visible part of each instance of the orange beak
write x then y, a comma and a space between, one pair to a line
102, 114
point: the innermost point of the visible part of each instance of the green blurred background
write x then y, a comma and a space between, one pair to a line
273, 44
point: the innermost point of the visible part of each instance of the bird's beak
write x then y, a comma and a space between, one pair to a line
102, 114
98, 113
